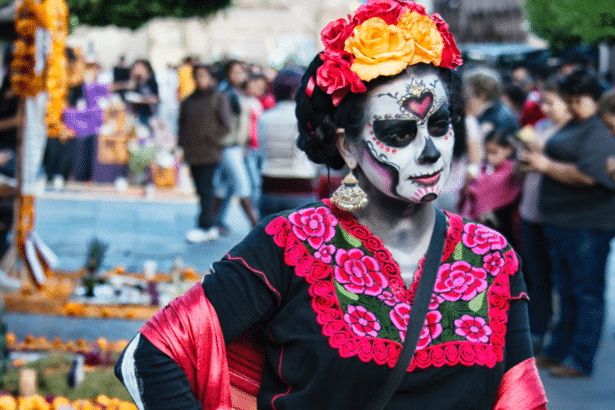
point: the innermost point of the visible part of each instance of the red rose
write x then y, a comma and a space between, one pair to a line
380, 351
451, 57
339, 339
321, 288
388, 10
452, 354
329, 318
422, 359
365, 350
294, 255
466, 354
479, 351
335, 76
438, 357
349, 348
320, 271
335, 34
394, 350
490, 358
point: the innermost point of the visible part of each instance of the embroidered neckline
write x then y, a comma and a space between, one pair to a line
354, 330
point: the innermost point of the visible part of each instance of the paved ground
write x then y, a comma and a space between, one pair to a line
139, 229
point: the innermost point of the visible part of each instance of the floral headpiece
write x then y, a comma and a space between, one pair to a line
382, 38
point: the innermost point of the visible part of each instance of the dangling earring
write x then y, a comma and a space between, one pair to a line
349, 196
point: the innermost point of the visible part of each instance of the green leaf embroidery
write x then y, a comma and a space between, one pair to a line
340, 289
354, 242
458, 254
477, 302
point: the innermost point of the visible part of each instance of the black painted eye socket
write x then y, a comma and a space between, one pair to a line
437, 127
395, 133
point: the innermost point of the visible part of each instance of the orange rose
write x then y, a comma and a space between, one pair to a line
379, 49
428, 42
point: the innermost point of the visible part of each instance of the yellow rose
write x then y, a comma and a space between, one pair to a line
379, 49
428, 42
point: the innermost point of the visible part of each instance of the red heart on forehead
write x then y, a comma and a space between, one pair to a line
420, 105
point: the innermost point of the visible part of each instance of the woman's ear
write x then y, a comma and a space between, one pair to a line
347, 150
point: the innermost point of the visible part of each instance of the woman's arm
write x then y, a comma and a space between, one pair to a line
565, 172
153, 379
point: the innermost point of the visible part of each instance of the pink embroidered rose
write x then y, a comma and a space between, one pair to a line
399, 317
431, 330
460, 280
361, 321
481, 239
335, 34
325, 253
359, 273
474, 329
316, 225
388, 298
435, 302
493, 263
336, 78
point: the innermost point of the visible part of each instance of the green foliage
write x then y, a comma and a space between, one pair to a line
568, 22
135, 13
96, 253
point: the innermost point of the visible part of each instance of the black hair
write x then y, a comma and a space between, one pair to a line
501, 136
581, 82
515, 94
318, 119
285, 84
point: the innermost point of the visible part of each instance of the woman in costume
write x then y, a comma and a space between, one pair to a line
332, 285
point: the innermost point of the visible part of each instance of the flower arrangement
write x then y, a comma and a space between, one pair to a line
382, 38
8, 402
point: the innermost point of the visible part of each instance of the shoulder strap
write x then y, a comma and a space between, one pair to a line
417, 314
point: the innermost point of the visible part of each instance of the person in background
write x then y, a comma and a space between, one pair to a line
186, 79
60, 149
232, 177
204, 118
530, 112
492, 198
536, 251
577, 203
606, 112
514, 97
482, 91
288, 176
121, 76
144, 90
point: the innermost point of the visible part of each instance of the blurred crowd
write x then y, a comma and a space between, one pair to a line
534, 158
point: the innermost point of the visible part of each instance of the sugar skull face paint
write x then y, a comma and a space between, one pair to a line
407, 141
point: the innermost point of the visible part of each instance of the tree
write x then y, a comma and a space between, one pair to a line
568, 22
134, 13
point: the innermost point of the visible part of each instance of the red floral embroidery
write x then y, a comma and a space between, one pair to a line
481, 239
475, 329
400, 315
314, 225
359, 273
493, 263
325, 253
336, 324
460, 281
362, 322
388, 298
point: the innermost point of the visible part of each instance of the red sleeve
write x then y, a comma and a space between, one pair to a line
521, 388
188, 331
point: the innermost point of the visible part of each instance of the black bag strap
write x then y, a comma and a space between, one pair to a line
417, 314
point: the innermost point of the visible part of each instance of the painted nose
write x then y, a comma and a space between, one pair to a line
430, 153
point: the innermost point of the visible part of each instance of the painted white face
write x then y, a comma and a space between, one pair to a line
407, 143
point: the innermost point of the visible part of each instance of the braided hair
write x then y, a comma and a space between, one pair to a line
318, 119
